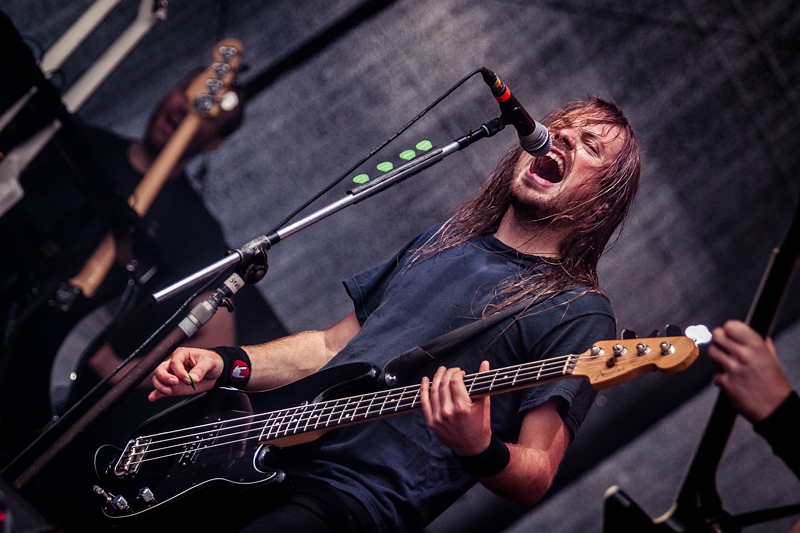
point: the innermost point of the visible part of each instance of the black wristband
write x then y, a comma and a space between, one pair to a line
773, 427
236, 372
489, 462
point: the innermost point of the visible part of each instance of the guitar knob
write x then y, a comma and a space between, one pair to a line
667, 348
119, 503
619, 350
642, 349
147, 496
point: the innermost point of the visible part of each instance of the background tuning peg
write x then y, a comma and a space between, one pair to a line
628, 334
654, 333
674, 331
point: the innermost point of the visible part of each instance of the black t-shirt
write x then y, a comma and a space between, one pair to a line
401, 472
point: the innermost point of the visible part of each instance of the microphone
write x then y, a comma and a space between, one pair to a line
533, 137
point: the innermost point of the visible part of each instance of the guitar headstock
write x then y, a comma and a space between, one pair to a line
611, 362
209, 92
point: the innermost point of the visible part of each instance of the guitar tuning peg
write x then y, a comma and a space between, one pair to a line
628, 334
654, 333
674, 331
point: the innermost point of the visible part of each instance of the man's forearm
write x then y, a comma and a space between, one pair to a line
288, 359
283, 361
526, 478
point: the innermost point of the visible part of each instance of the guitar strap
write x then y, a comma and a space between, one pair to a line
403, 365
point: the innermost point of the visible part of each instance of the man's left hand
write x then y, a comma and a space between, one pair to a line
457, 420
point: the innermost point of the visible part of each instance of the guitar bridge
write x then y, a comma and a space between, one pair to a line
130, 461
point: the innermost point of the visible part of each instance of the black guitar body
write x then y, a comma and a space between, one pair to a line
137, 487
35, 334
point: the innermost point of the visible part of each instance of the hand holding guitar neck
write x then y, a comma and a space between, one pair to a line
748, 370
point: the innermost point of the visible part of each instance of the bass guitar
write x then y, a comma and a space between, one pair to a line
168, 460
49, 341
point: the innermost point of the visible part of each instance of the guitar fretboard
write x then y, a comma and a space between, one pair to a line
332, 413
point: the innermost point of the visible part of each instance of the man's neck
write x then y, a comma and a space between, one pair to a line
526, 237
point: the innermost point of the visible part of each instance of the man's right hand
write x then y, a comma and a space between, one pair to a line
187, 371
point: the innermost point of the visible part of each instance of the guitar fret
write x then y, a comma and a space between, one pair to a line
311, 415
344, 410
320, 410
333, 407
565, 370
292, 417
369, 406
383, 404
276, 428
414, 396
399, 403
266, 426
472, 384
298, 418
285, 422
361, 410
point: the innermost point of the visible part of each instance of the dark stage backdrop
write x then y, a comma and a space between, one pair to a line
710, 87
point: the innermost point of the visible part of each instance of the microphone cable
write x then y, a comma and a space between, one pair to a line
375, 151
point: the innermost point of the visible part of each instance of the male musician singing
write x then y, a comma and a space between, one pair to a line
535, 231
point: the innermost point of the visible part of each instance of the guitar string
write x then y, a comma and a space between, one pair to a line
559, 362
288, 416
280, 422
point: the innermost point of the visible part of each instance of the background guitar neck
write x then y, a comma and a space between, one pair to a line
96, 268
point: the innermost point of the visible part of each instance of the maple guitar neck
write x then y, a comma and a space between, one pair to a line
96, 268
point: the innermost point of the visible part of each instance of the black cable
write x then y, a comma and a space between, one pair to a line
375, 151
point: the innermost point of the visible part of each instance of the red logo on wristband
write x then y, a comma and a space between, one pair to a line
240, 371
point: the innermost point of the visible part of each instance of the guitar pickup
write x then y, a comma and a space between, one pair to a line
208, 439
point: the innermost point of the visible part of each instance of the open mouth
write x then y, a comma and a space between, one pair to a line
548, 167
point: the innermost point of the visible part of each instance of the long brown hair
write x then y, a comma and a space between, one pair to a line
593, 224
